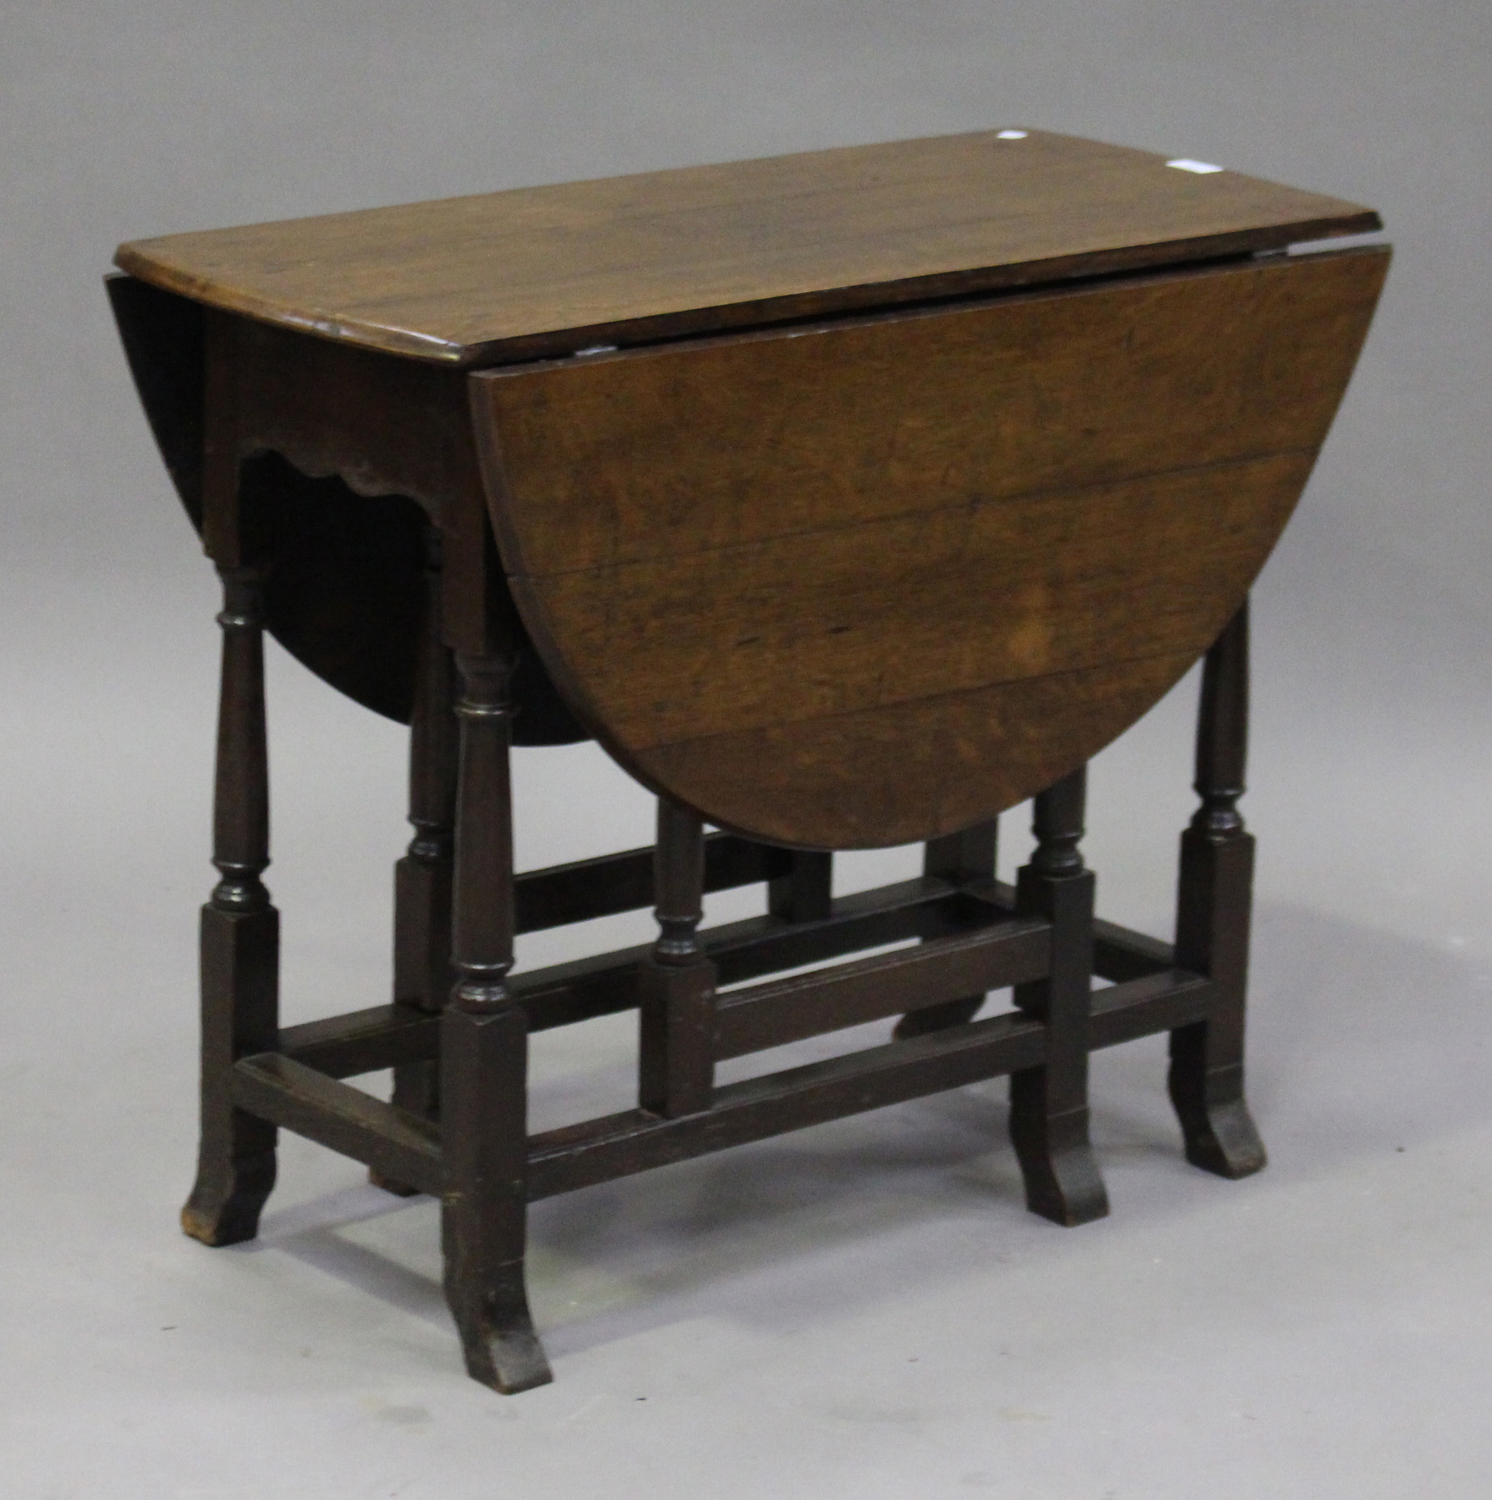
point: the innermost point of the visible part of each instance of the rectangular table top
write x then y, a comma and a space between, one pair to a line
537, 271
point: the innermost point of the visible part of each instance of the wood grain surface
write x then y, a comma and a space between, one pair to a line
545, 270
875, 580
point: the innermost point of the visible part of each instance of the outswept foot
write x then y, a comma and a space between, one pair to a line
226, 1202
1062, 1179
497, 1333
1219, 1132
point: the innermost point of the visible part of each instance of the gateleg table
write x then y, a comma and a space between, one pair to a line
848, 499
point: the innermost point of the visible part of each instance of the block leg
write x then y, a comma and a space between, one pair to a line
484, 1214
484, 1060
965, 856
676, 1041
1212, 924
240, 938
1049, 1104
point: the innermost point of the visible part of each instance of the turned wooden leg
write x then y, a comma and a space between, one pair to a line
422, 878
484, 1059
1049, 1105
969, 855
240, 937
1212, 923
676, 1051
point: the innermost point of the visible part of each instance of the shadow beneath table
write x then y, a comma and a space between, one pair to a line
316, 1233
1360, 1042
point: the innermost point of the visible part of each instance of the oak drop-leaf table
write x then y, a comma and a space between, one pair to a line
848, 499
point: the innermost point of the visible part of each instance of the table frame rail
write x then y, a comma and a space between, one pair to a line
298, 1087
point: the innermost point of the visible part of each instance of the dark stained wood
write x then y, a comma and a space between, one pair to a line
714, 444
577, 1156
879, 580
225, 538
963, 857
240, 937
346, 459
1122, 954
381, 427
345, 595
944, 461
1141, 1007
1049, 1104
398, 1145
657, 454
1119, 953
339, 597
542, 270
365, 1041
786, 1010
164, 343
916, 908
676, 980
678, 884
483, 1217
362, 1041
484, 1058
607, 983
613, 883
384, 1036
1213, 911
806, 892
422, 878
896, 773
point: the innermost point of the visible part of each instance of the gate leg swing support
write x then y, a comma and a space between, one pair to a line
1049, 1104
484, 1059
974, 935
239, 936
676, 981
1212, 923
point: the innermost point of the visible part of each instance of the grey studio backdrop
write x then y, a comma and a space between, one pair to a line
864, 1309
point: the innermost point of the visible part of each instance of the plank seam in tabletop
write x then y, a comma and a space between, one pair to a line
544, 270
